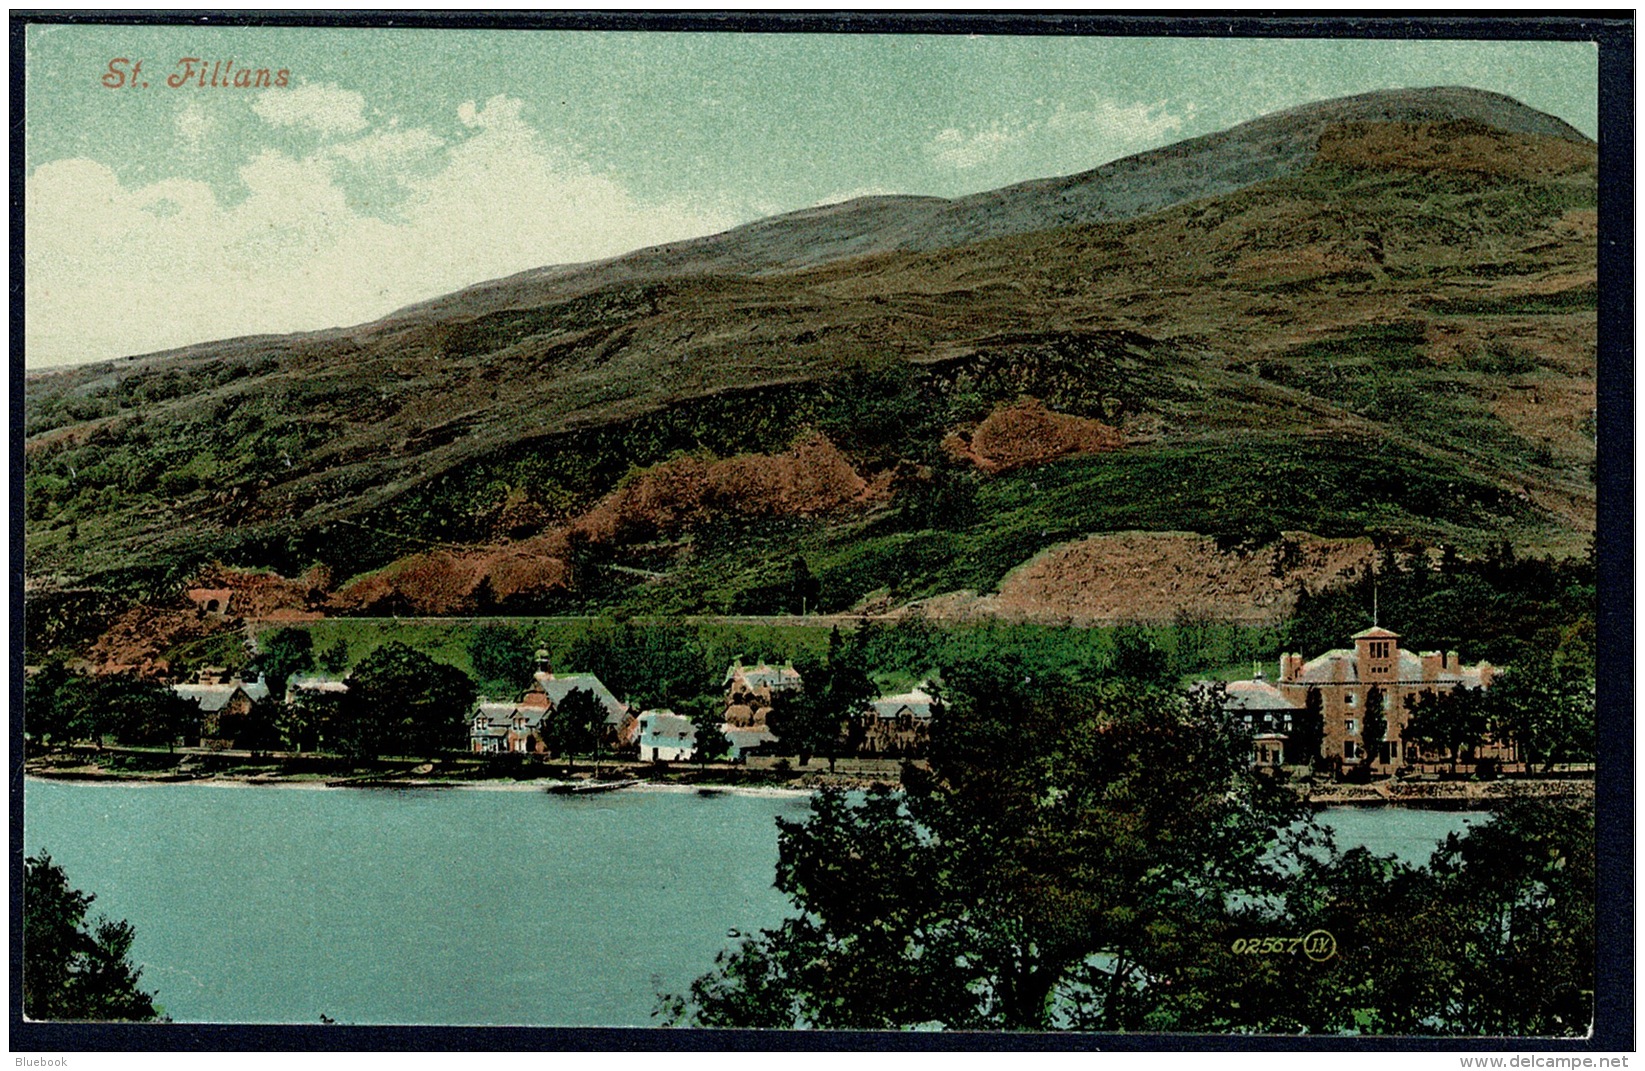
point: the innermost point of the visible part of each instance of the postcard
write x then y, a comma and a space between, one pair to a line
810, 524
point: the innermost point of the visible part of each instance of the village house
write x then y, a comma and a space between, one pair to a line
897, 724
664, 736
517, 726
227, 706
741, 743
749, 692
1345, 679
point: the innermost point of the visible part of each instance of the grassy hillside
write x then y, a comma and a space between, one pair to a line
1396, 340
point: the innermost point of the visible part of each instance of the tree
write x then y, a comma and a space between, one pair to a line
707, 713
810, 720
1494, 936
44, 718
1066, 861
1136, 656
334, 659
802, 587
1308, 734
1546, 710
1374, 731
313, 720
70, 970
502, 655
402, 700
575, 723
285, 653
1453, 720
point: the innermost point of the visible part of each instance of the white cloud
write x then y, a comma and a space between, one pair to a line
113, 269
193, 125
387, 146
1089, 136
328, 109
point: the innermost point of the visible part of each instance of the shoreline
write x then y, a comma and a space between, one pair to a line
1428, 795
541, 785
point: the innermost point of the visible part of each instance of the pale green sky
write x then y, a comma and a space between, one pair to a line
402, 164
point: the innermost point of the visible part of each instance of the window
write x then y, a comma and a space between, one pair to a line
1379, 648
1351, 726
1348, 699
1349, 749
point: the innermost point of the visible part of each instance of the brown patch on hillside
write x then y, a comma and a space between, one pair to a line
142, 636
1154, 576
1453, 146
139, 638
812, 478
266, 594
1027, 433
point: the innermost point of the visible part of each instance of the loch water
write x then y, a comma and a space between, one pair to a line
452, 907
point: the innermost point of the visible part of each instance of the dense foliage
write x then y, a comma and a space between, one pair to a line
1053, 868
73, 969
402, 702
60, 706
1498, 607
1101, 856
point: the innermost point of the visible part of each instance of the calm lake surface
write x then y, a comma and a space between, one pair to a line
454, 907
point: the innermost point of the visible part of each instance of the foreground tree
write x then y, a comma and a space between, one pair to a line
1060, 864
72, 970
1102, 857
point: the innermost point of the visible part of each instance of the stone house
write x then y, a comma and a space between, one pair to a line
1345, 678
517, 726
897, 724
228, 708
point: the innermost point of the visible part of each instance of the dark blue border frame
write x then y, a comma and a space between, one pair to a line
1613, 31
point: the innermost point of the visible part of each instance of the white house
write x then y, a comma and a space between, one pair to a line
665, 736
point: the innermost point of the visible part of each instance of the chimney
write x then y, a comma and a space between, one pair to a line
1432, 663
1290, 666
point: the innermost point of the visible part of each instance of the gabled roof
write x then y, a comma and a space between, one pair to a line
916, 703
664, 728
764, 676
558, 687
1319, 670
1375, 633
1256, 695
745, 739
214, 697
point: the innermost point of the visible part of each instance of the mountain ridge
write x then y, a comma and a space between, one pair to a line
1050, 202
1416, 297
